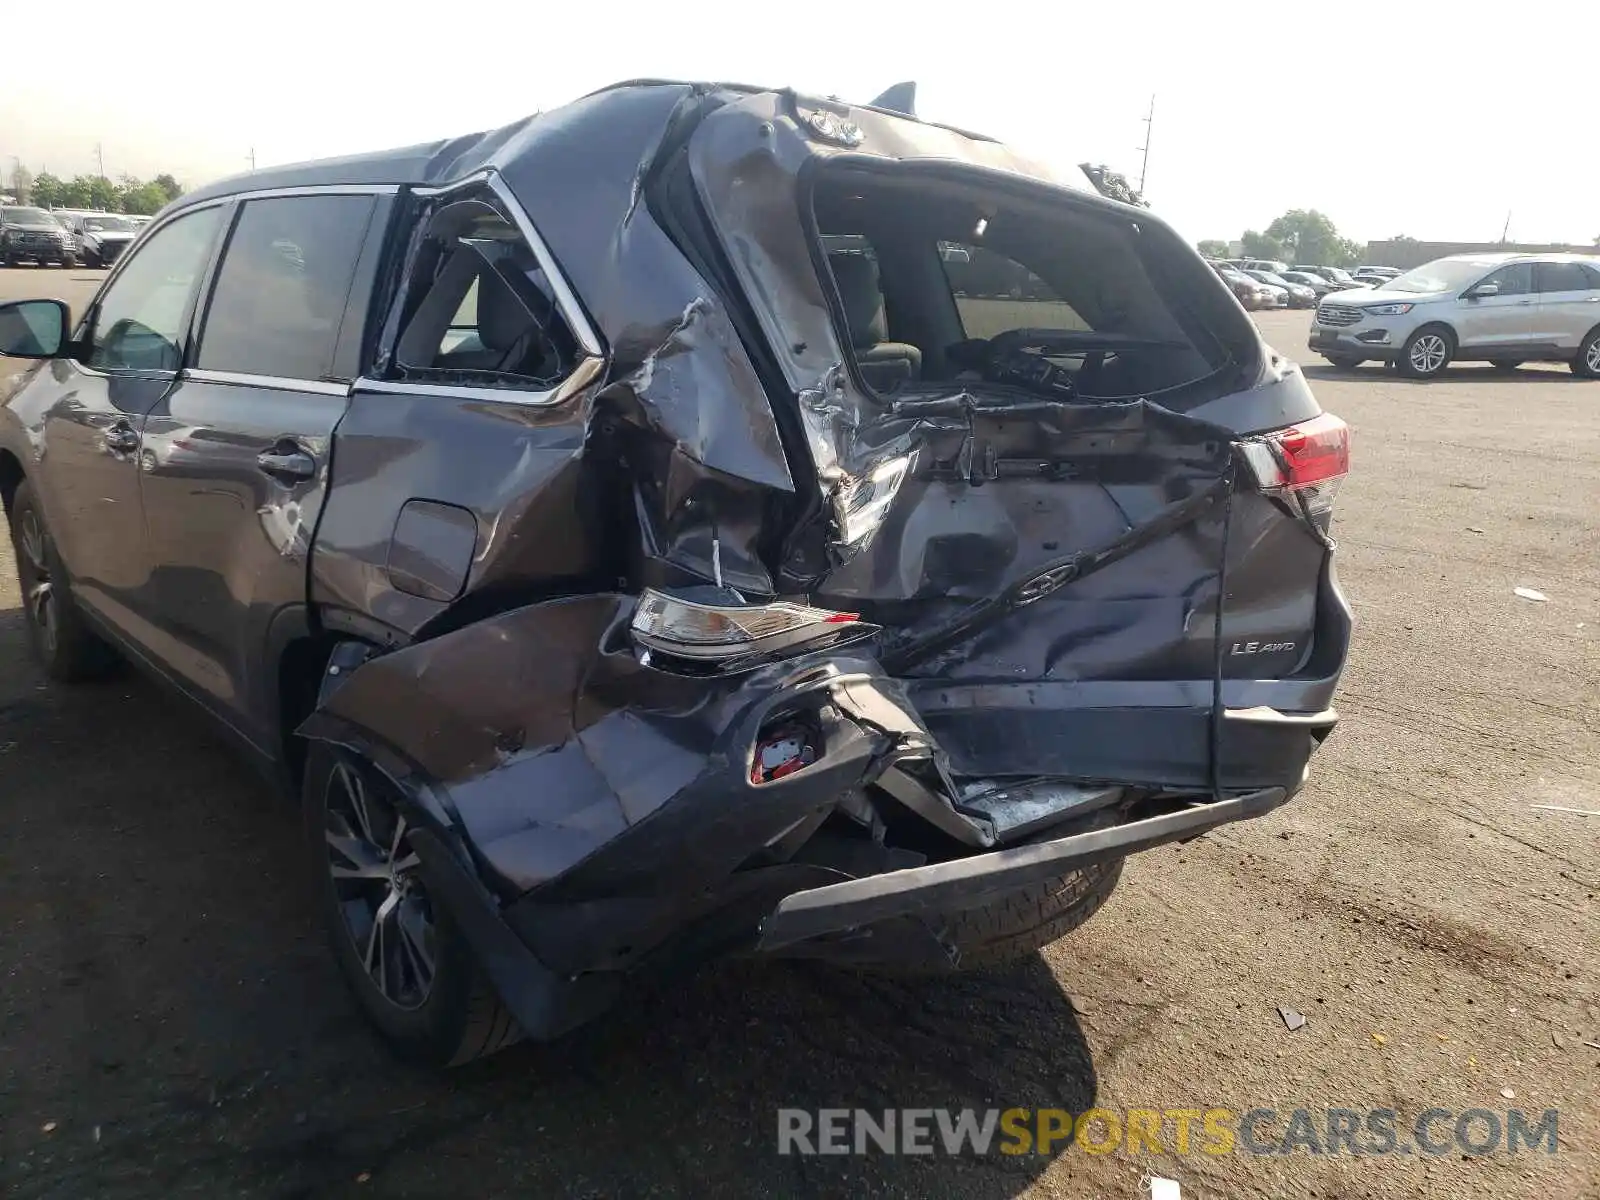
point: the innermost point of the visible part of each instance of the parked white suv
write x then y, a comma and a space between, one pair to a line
1506, 309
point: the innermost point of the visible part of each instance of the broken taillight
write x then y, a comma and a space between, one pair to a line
1308, 460
710, 632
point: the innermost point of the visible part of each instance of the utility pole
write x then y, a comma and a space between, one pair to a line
100, 158
252, 158
1506, 231
1149, 125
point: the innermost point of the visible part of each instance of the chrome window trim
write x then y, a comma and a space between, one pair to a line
582, 375
280, 383
565, 297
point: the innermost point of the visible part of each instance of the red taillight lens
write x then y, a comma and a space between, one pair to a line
1316, 451
1310, 459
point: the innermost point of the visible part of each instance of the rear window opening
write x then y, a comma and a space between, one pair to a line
947, 282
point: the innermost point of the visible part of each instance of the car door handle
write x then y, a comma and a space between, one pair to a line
287, 464
121, 439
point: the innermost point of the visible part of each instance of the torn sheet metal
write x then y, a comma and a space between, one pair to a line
554, 745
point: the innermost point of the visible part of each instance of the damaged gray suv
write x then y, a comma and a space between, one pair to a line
635, 551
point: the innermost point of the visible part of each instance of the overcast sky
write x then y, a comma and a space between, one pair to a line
1424, 118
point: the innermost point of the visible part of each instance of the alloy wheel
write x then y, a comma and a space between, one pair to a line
38, 589
1593, 357
1428, 353
379, 888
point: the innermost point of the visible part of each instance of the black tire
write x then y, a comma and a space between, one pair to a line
1427, 352
1506, 364
69, 262
91, 260
67, 649
445, 1016
1586, 363
1343, 362
1030, 918
12, 260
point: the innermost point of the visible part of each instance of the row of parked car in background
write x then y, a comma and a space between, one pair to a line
1264, 283
64, 237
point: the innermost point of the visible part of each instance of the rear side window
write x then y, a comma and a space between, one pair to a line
283, 286
994, 293
1560, 277
479, 309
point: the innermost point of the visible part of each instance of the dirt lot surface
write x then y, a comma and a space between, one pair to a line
170, 1024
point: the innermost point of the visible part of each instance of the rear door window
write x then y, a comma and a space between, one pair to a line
283, 286
1560, 277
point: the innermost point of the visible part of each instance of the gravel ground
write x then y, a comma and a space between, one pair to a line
170, 1024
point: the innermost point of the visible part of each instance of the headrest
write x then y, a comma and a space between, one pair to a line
856, 276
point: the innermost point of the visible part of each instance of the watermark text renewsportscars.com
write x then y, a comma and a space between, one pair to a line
1369, 1132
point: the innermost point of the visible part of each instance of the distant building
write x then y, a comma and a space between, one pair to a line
1405, 254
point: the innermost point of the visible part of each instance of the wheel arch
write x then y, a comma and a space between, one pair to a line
1440, 324
297, 651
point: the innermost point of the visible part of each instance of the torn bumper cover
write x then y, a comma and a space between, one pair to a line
586, 815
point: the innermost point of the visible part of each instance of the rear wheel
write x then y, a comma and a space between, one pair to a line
411, 969
1427, 352
66, 647
1023, 921
1344, 362
1587, 362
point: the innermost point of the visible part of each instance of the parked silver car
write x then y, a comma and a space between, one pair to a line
1297, 295
1506, 309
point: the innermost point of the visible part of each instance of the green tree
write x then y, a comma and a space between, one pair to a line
46, 190
102, 193
141, 198
1308, 236
73, 193
1262, 245
1213, 248
170, 187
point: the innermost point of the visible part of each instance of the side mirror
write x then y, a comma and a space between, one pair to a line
34, 328
1483, 291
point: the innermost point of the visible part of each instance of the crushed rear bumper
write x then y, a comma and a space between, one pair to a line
972, 882
587, 817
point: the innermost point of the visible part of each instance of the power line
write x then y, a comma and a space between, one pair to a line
1149, 127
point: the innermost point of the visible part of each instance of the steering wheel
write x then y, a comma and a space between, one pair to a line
1018, 357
